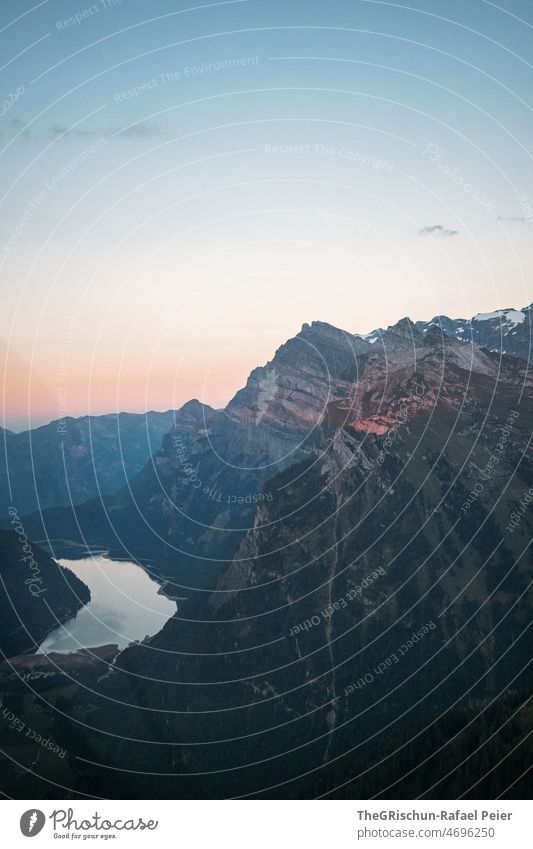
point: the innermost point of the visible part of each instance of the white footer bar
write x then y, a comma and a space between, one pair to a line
267, 824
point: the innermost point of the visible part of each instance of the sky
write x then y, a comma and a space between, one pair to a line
184, 185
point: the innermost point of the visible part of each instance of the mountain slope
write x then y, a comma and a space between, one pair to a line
36, 593
74, 459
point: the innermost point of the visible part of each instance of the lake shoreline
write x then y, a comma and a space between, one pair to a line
128, 604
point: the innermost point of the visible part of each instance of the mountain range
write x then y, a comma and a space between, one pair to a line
507, 330
349, 540
187, 509
71, 460
74, 459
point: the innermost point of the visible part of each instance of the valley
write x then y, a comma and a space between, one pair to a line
284, 667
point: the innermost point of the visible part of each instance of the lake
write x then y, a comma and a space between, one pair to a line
125, 605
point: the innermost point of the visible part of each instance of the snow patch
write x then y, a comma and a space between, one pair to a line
371, 337
512, 317
487, 316
515, 316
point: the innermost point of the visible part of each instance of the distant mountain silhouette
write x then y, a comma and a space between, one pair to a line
74, 459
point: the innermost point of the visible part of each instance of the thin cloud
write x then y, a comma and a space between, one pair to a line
57, 130
517, 219
140, 130
18, 126
437, 230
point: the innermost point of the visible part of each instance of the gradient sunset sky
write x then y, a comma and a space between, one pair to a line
184, 185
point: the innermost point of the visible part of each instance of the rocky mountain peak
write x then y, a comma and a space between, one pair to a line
405, 327
194, 409
292, 390
321, 330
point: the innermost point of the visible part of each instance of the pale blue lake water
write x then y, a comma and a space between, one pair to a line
125, 605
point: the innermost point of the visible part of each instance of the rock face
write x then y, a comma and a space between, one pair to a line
36, 594
410, 372
72, 460
350, 535
292, 391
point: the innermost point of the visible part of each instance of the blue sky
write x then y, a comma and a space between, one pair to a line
185, 185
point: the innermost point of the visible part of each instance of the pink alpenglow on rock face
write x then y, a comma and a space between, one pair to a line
306, 373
